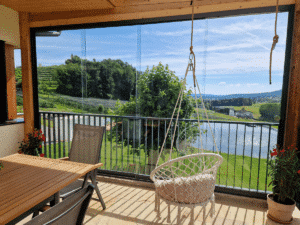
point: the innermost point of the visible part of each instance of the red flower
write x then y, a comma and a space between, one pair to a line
43, 138
42, 155
282, 150
40, 146
298, 172
35, 134
274, 150
41, 131
273, 153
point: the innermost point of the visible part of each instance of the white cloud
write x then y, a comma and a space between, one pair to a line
222, 83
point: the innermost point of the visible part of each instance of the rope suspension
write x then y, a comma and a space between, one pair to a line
275, 41
191, 67
189, 180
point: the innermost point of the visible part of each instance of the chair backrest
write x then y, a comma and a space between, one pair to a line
86, 144
70, 211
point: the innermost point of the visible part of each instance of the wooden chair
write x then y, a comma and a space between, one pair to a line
71, 211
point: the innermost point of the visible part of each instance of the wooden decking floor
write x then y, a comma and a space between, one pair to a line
135, 205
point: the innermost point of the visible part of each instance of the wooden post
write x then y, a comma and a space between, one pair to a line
11, 82
292, 124
26, 72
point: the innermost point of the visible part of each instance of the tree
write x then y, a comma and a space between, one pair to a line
69, 79
108, 79
18, 74
269, 111
158, 91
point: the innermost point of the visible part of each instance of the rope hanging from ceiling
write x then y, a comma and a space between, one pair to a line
275, 41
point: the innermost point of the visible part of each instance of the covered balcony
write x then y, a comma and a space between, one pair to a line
128, 151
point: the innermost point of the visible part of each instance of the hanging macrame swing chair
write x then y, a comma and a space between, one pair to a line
187, 181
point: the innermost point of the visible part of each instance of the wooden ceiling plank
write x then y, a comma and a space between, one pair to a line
35, 6
161, 10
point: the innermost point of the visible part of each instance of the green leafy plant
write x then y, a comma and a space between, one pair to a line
285, 173
33, 143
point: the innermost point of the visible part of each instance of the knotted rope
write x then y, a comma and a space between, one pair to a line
275, 41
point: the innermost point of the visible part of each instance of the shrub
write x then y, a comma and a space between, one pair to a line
19, 100
269, 111
101, 108
46, 104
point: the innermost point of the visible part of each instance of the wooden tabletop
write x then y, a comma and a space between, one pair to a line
27, 180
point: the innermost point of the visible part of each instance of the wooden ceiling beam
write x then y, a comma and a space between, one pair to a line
147, 11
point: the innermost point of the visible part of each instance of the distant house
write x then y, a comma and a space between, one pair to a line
225, 110
244, 114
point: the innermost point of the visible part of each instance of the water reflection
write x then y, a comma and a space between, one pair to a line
238, 139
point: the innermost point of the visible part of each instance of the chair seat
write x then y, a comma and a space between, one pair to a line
71, 188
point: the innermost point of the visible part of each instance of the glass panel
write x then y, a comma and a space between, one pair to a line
128, 79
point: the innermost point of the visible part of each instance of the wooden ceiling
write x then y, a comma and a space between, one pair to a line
67, 12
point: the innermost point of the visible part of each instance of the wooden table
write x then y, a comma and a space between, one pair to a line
27, 181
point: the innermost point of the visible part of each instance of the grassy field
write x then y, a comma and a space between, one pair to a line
253, 108
237, 171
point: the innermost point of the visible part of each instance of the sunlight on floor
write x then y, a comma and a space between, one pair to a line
135, 205
132, 205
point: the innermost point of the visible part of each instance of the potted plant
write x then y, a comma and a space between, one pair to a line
285, 174
33, 143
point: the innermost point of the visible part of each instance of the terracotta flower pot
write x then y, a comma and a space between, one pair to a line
278, 212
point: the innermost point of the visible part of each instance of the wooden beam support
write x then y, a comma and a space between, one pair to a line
26, 73
292, 123
11, 82
147, 10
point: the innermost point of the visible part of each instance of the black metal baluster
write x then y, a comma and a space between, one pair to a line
105, 144
243, 156
128, 153
228, 153
251, 159
139, 136
69, 127
261, 127
122, 144
268, 154
111, 147
49, 136
44, 132
236, 138
58, 137
64, 135
54, 136
220, 151
117, 126
146, 151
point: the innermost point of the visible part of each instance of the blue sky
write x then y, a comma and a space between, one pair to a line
237, 56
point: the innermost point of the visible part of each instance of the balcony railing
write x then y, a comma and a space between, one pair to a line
130, 146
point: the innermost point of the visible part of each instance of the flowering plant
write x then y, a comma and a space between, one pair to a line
33, 143
285, 174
